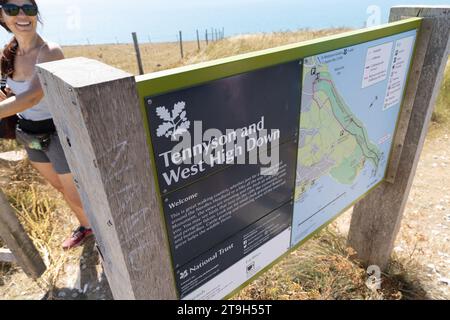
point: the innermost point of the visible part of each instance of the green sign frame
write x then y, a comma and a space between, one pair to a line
188, 76
193, 75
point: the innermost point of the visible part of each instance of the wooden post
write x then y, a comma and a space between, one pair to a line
212, 35
198, 41
97, 112
17, 240
138, 53
206, 37
376, 219
408, 103
181, 44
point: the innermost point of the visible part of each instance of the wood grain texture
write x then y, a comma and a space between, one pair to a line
97, 114
377, 218
408, 102
138, 53
17, 240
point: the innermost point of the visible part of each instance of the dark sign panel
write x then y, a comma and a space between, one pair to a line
221, 257
213, 209
237, 107
221, 200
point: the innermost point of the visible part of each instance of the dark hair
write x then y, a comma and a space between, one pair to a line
10, 50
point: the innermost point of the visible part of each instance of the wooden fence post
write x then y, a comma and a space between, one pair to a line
181, 44
376, 219
97, 112
206, 37
17, 240
138, 53
198, 40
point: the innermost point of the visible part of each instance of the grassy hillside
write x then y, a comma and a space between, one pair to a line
161, 56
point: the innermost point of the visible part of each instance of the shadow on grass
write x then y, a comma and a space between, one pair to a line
322, 270
404, 278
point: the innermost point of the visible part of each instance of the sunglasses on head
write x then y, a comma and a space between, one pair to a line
13, 9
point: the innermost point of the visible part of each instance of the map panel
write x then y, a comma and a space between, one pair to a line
351, 100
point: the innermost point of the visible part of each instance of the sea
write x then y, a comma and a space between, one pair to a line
78, 22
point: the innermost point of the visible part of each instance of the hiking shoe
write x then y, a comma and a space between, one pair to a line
77, 238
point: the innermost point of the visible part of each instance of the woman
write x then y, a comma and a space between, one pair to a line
26, 49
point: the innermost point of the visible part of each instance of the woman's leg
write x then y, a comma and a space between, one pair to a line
46, 170
73, 199
65, 185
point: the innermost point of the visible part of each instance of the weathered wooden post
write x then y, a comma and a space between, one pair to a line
198, 41
138, 53
181, 44
376, 219
115, 183
22, 248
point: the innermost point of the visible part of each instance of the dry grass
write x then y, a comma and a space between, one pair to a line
442, 112
161, 56
249, 43
322, 270
9, 145
45, 217
319, 270
155, 57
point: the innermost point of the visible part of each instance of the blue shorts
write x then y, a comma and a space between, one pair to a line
54, 154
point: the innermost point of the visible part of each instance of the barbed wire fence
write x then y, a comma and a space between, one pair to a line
210, 36
202, 38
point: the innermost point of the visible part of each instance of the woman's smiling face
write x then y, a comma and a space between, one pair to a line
20, 24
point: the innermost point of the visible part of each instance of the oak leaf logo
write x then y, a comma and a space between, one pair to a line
175, 122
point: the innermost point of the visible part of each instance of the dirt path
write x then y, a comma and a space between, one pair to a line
422, 248
425, 232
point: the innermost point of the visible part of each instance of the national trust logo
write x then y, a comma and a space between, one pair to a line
175, 123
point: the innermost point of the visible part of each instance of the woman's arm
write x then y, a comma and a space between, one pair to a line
34, 94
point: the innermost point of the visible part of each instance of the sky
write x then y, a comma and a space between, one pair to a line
102, 21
